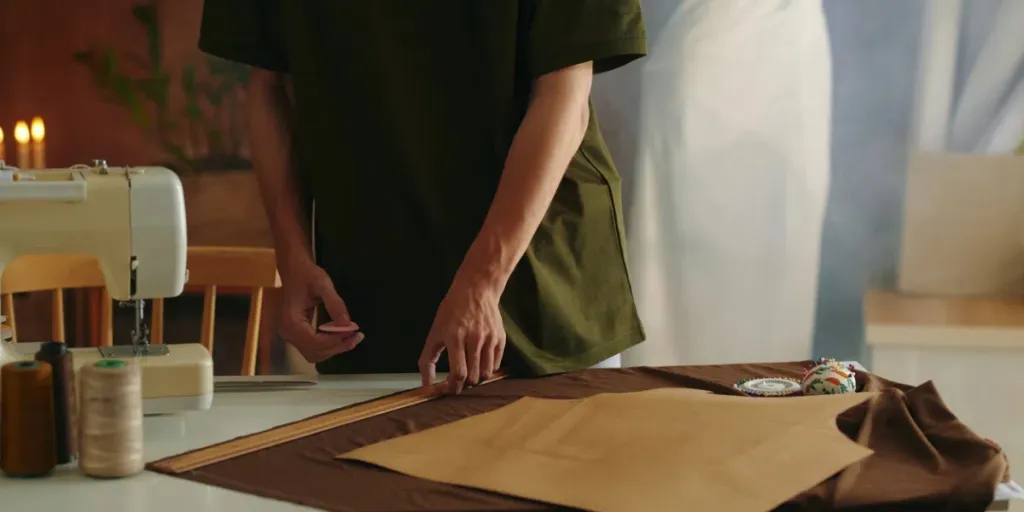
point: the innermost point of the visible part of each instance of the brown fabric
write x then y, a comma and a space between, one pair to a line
925, 459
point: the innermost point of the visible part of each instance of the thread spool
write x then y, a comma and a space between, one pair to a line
64, 398
6, 337
110, 419
27, 444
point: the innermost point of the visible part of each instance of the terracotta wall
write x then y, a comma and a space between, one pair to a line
38, 39
38, 77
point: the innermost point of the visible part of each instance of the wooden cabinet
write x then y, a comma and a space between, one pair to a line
971, 348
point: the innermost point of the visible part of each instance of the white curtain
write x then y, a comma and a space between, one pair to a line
724, 135
971, 77
730, 181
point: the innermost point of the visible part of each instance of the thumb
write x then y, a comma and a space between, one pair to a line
336, 308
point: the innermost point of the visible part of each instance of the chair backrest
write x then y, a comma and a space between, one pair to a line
211, 269
53, 273
226, 269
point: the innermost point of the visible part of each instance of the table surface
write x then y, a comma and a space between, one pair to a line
233, 414
889, 308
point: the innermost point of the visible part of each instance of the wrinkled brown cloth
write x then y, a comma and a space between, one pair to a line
925, 459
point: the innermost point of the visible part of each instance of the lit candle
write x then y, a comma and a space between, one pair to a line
38, 132
21, 136
3, 154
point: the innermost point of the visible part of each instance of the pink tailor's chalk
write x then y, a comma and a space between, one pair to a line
338, 329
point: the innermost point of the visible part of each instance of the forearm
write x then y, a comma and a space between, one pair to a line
270, 135
541, 151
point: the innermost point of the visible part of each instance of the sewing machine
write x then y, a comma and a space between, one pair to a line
132, 220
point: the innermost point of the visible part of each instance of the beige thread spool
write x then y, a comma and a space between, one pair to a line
110, 419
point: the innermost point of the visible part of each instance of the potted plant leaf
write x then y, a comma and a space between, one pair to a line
195, 114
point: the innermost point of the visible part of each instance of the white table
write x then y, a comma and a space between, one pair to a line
233, 414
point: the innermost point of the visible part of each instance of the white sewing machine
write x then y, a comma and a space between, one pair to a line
132, 220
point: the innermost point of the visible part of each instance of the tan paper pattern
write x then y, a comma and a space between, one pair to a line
664, 449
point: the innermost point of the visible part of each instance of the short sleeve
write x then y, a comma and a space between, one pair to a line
563, 33
244, 31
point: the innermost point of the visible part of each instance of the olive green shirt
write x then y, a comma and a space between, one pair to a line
405, 113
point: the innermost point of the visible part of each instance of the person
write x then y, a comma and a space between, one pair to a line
436, 180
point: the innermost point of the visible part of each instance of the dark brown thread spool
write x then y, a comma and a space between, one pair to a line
27, 444
64, 402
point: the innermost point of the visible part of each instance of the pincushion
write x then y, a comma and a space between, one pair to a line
829, 377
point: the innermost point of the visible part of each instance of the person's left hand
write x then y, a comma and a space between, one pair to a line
468, 326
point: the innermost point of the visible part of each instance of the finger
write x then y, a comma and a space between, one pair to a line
352, 340
473, 353
499, 353
487, 361
316, 350
299, 335
431, 354
333, 347
457, 370
336, 308
298, 316
314, 345
299, 330
338, 344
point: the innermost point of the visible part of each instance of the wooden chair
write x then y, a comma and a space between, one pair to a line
211, 269
228, 270
53, 273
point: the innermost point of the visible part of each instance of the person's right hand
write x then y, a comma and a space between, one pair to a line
306, 287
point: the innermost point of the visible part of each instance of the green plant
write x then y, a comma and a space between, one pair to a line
206, 131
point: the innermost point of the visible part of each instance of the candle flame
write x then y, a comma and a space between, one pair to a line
1, 135
21, 133
38, 129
